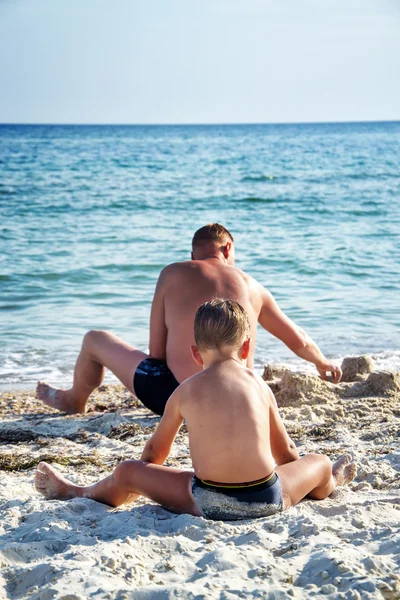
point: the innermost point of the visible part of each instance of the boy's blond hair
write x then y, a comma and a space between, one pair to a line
220, 323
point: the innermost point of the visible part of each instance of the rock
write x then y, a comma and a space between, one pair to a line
354, 367
384, 382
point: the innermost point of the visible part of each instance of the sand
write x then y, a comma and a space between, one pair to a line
347, 546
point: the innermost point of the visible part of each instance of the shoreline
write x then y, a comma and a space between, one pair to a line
383, 360
343, 547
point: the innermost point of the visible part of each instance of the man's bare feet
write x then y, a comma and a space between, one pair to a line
59, 399
53, 485
344, 470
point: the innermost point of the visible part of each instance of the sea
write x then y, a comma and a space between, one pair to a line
89, 215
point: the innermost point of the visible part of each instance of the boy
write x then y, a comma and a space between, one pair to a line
236, 437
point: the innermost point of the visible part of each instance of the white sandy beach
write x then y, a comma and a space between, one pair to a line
347, 546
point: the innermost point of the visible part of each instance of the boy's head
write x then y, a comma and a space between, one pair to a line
220, 323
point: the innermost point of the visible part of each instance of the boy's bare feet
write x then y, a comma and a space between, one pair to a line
344, 470
53, 485
60, 399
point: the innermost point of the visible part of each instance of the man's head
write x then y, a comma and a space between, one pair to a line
221, 325
213, 239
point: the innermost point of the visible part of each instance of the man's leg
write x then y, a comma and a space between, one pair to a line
100, 349
314, 476
167, 486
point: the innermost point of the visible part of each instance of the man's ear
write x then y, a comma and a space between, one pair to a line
196, 355
226, 250
246, 348
191, 256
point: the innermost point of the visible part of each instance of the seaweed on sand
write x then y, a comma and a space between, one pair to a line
129, 430
10, 461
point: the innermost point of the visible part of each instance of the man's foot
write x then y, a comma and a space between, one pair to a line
52, 485
60, 399
344, 470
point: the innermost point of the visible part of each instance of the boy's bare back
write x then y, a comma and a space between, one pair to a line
228, 409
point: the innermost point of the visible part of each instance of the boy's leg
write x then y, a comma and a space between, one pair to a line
314, 476
168, 486
100, 349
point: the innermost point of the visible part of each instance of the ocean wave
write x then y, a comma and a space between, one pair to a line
13, 307
7, 191
367, 213
136, 268
385, 360
259, 178
255, 199
373, 176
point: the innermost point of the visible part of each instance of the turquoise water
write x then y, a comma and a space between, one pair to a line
89, 216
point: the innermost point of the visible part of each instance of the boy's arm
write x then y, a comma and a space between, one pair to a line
159, 445
274, 320
283, 448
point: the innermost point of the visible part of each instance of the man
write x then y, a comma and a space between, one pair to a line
181, 289
245, 464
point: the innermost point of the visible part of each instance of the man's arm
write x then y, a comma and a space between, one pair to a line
283, 448
159, 445
278, 324
158, 327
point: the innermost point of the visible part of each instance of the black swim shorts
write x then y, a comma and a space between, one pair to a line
233, 501
154, 383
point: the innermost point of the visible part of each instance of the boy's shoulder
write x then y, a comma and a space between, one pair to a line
196, 383
191, 382
213, 374
263, 386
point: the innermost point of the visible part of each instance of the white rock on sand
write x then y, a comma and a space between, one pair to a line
347, 546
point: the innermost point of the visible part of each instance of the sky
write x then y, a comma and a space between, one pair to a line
208, 61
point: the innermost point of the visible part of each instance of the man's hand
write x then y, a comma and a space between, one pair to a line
276, 322
329, 367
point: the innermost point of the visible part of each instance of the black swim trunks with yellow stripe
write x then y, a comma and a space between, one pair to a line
232, 501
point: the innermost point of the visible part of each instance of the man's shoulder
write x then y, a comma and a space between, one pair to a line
254, 287
174, 269
248, 278
179, 266
195, 268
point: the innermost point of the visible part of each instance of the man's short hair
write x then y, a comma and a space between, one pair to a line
213, 232
220, 323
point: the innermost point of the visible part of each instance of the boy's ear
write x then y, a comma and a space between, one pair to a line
196, 355
246, 348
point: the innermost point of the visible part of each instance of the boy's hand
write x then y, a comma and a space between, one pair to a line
329, 367
158, 447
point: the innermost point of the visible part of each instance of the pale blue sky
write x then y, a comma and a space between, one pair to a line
208, 61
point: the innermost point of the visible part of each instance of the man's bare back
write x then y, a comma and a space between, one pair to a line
181, 288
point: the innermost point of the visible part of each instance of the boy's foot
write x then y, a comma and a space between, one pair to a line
52, 485
344, 470
59, 399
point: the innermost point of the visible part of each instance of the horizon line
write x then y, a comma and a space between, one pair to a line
203, 124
